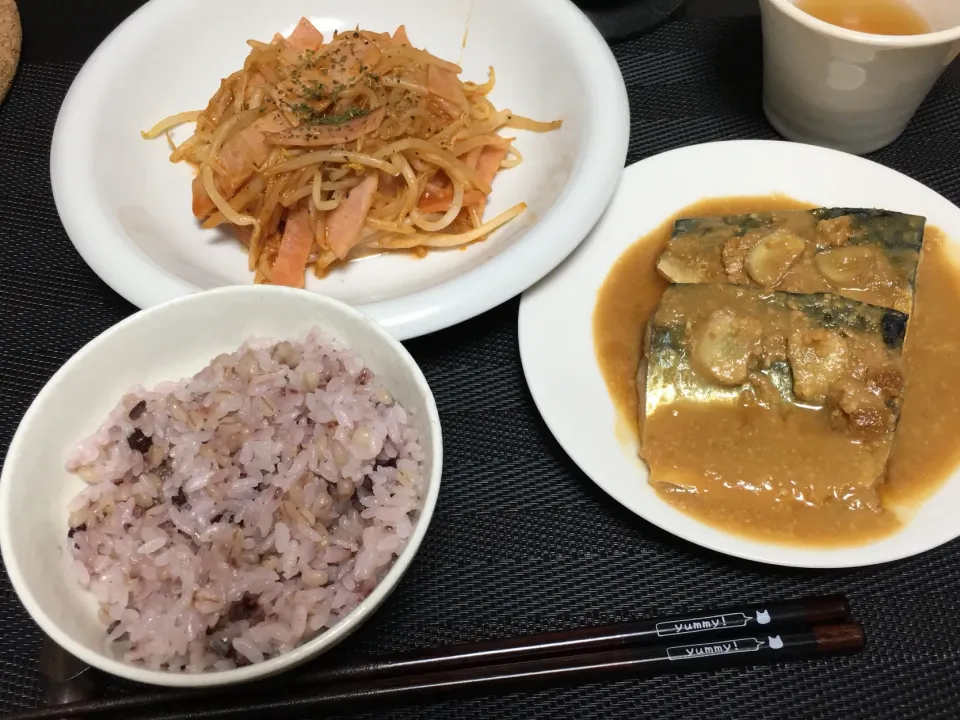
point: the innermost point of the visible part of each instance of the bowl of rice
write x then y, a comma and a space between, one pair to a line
220, 487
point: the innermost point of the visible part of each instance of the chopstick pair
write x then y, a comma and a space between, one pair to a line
752, 634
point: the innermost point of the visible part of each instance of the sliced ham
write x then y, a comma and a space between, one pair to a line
400, 36
339, 63
271, 122
202, 204
241, 153
295, 246
239, 157
391, 185
488, 164
445, 84
305, 36
345, 221
471, 158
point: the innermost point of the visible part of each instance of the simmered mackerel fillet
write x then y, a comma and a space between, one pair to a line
789, 397
865, 255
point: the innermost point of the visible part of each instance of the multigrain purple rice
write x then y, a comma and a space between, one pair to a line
233, 515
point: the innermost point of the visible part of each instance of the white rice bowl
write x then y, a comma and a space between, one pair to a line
260, 509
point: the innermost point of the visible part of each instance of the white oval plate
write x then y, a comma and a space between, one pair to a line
127, 208
556, 334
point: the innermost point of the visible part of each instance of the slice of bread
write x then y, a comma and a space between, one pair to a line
10, 39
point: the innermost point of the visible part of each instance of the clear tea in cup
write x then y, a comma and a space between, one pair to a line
879, 17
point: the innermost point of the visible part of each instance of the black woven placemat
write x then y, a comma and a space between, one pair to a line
521, 540
623, 19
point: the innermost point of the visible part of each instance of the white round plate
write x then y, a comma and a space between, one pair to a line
127, 208
556, 334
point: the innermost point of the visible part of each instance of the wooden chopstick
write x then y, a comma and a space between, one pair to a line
678, 629
578, 668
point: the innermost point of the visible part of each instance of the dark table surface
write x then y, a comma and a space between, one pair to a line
521, 540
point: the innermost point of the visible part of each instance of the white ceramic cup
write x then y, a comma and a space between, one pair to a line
852, 91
